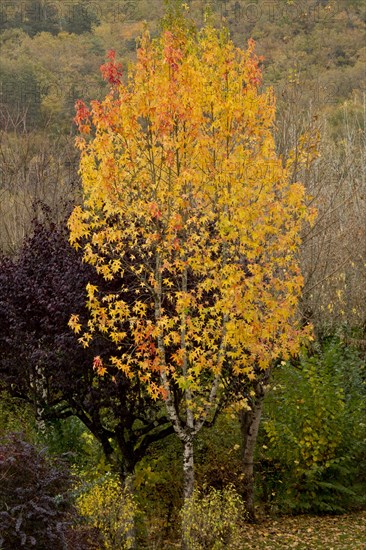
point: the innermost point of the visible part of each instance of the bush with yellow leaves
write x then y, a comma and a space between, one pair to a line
213, 520
111, 508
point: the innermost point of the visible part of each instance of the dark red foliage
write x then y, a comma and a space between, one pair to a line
42, 361
38, 293
82, 117
36, 509
112, 71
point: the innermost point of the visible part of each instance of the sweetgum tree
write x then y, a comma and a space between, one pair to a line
187, 205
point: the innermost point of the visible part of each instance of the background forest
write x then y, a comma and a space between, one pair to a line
76, 435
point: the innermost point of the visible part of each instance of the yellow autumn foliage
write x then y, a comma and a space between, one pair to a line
109, 507
213, 520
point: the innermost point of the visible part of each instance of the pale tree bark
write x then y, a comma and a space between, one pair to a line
130, 536
188, 468
188, 483
38, 383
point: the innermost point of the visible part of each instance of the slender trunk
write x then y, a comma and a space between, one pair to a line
249, 425
39, 384
130, 532
188, 486
188, 468
126, 471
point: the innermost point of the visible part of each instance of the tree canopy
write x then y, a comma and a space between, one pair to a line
186, 202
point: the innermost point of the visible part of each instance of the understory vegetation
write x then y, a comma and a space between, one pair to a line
310, 458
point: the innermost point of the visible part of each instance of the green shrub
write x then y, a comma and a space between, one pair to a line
213, 520
313, 436
16, 416
159, 479
218, 453
159, 484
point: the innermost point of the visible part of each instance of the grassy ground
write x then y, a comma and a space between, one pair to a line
346, 532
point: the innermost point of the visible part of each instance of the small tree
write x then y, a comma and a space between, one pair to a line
42, 362
186, 203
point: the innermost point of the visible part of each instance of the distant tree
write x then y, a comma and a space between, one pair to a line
32, 16
35, 169
19, 93
79, 17
36, 16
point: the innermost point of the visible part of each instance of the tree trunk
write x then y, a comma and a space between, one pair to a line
188, 485
128, 488
188, 469
249, 425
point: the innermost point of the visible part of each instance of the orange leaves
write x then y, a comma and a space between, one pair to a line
184, 300
140, 309
155, 211
99, 366
82, 117
78, 226
145, 56
122, 366
295, 196
190, 214
253, 75
172, 53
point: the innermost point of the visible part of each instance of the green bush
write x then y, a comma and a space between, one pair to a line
213, 520
159, 484
16, 416
218, 453
313, 436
